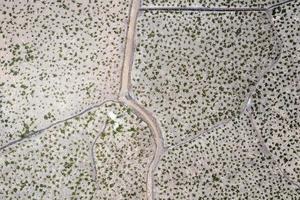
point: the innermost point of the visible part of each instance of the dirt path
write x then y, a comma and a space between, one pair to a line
129, 48
129, 101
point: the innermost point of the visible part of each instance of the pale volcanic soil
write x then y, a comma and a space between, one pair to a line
150, 99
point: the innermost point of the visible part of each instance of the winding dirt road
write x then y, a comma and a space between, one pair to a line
126, 98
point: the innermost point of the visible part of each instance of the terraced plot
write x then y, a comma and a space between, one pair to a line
57, 59
102, 154
226, 163
277, 99
193, 70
